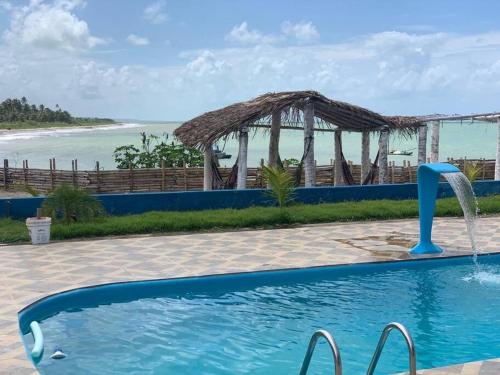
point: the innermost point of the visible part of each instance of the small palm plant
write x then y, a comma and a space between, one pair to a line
71, 204
281, 185
472, 170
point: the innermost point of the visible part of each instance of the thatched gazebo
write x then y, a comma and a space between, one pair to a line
435, 120
301, 110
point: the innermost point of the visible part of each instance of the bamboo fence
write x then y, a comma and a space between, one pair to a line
183, 179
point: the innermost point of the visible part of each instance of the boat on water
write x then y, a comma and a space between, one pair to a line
401, 152
219, 154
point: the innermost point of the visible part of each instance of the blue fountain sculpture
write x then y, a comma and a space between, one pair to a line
428, 180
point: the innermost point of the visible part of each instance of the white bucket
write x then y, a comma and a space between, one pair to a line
39, 229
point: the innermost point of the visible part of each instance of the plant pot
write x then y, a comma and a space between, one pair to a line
39, 229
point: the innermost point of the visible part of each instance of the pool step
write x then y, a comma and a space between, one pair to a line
412, 356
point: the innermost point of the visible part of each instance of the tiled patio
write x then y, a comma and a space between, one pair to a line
28, 273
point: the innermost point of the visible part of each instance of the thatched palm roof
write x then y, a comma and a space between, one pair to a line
212, 126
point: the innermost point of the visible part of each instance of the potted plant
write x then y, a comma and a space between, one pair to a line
39, 228
66, 205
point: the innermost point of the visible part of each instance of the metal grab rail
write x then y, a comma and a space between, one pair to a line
37, 350
310, 350
383, 338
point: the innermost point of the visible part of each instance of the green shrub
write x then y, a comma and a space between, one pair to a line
70, 204
153, 151
472, 170
292, 162
18, 186
32, 191
281, 185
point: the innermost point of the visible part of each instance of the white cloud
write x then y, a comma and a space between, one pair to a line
5, 5
51, 27
389, 72
206, 64
67, 4
242, 35
137, 40
302, 31
155, 12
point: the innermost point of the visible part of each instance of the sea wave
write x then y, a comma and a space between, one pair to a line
10, 135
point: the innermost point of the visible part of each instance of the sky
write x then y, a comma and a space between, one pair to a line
175, 59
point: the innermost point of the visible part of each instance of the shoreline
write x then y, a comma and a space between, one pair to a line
10, 131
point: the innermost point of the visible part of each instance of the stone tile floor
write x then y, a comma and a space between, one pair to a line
28, 273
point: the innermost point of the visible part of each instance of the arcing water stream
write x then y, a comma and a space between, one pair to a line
465, 194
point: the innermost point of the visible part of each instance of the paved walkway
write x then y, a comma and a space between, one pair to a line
28, 273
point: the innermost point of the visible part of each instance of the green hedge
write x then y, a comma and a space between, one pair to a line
254, 217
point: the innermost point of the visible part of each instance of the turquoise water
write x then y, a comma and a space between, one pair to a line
261, 323
476, 140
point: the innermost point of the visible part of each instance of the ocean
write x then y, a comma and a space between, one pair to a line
91, 144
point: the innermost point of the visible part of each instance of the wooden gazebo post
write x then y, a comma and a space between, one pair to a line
365, 155
435, 142
422, 144
242, 158
309, 167
382, 159
337, 177
274, 138
207, 167
497, 162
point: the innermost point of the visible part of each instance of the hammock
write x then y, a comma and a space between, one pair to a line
300, 167
218, 182
346, 171
232, 178
370, 177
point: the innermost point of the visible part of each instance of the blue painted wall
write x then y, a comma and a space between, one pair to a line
134, 203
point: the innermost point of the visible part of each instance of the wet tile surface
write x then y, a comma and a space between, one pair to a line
28, 273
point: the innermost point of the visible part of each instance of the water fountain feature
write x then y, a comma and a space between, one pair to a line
428, 179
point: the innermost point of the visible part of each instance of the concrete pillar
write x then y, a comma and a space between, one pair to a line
365, 155
338, 176
497, 162
207, 168
435, 142
274, 138
309, 165
242, 158
383, 145
422, 144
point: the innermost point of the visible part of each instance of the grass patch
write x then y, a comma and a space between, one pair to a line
254, 217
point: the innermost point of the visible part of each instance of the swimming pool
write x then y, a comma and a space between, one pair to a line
261, 322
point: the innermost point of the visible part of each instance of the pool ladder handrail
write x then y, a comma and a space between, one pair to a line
383, 338
312, 345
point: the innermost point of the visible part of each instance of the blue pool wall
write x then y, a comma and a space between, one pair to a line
136, 203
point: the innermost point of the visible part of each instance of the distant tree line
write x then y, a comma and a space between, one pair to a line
19, 110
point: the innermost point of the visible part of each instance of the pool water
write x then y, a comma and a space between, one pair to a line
260, 323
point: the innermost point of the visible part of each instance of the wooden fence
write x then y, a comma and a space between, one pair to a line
180, 179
